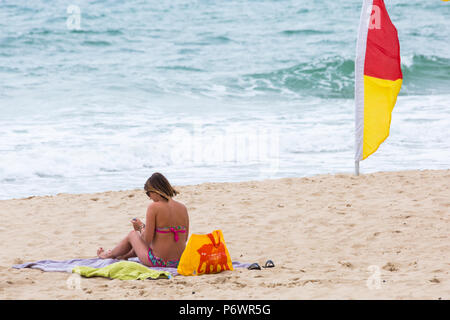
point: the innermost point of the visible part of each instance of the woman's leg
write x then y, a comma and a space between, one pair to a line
140, 247
123, 246
132, 242
130, 254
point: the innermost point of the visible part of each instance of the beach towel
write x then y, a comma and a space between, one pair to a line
68, 265
123, 270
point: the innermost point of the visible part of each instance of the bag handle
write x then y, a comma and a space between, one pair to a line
211, 237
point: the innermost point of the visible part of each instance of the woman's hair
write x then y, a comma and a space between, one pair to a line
159, 184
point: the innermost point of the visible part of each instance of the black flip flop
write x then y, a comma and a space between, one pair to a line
269, 264
254, 266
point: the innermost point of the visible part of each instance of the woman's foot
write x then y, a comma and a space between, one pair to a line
104, 255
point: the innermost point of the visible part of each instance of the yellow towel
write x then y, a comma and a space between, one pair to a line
123, 270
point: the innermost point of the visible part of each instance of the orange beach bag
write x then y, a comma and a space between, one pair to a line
205, 253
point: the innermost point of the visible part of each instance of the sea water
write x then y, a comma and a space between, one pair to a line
97, 95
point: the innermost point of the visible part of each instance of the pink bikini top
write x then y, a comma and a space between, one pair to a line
175, 231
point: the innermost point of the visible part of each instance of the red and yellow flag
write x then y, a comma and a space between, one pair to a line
378, 77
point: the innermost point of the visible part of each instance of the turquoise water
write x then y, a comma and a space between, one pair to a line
205, 91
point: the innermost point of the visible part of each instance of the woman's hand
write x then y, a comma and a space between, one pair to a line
138, 225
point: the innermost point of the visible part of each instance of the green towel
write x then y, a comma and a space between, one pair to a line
123, 270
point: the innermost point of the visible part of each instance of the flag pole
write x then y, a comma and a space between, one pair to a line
361, 44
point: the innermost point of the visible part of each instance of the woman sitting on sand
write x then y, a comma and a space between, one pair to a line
162, 239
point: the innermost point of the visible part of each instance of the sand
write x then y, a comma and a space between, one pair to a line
377, 236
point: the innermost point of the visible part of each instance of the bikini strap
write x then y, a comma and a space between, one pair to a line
174, 230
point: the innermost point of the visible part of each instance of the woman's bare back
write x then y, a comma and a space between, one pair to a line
170, 214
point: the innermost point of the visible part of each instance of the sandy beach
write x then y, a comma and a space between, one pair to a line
328, 236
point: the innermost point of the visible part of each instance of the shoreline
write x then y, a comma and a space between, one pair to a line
323, 232
222, 182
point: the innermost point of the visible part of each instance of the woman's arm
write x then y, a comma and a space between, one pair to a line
150, 222
187, 227
138, 225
